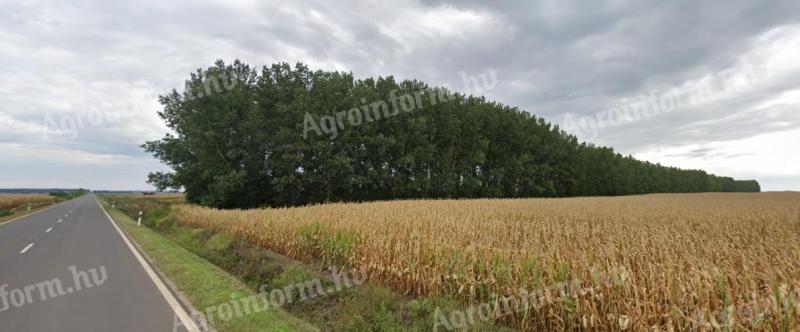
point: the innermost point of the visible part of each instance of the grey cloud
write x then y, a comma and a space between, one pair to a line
709, 153
551, 58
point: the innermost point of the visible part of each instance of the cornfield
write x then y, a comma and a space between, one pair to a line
679, 261
9, 202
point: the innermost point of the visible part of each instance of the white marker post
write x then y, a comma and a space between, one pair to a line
113, 205
139, 222
29, 206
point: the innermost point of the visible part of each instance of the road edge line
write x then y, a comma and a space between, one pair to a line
179, 310
32, 213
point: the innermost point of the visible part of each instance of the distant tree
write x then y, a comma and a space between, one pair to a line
69, 194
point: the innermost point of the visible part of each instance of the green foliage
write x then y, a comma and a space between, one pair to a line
69, 194
366, 308
204, 284
242, 145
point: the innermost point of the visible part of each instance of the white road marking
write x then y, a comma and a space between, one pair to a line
187, 321
26, 248
48, 230
30, 214
59, 221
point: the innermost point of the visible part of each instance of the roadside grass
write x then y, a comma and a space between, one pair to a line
365, 307
204, 284
368, 307
11, 214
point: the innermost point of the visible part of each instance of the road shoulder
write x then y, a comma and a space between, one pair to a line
202, 283
19, 215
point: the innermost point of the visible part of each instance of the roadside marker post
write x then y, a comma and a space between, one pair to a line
29, 206
139, 222
187, 321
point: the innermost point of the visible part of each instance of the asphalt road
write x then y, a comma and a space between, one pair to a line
75, 252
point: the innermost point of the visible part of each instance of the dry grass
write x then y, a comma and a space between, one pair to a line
164, 198
684, 260
9, 202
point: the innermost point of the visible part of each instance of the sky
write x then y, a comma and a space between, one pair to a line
693, 84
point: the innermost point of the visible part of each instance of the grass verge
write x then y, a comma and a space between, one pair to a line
313, 292
11, 214
364, 307
204, 284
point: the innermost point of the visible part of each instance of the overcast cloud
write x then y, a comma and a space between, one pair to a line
102, 64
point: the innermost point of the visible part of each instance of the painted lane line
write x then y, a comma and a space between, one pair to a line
59, 221
24, 250
32, 213
48, 230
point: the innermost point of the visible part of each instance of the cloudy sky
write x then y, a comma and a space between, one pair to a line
708, 85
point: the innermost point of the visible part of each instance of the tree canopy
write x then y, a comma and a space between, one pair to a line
281, 135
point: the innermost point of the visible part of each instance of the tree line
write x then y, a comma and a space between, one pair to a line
280, 136
69, 194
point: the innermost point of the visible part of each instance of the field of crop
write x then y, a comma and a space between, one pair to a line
670, 261
134, 203
12, 203
153, 207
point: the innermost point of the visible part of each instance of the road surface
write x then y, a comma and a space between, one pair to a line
68, 269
